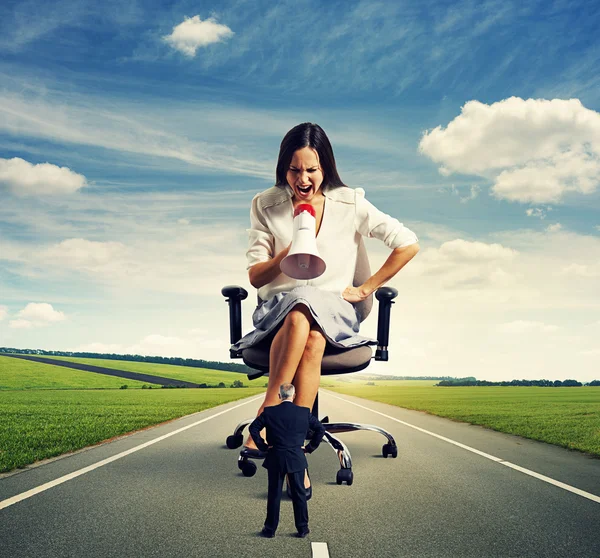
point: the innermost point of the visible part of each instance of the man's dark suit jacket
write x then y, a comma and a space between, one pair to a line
287, 425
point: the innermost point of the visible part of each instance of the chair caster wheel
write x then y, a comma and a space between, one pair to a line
345, 475
248, 468
390, 450
234, 441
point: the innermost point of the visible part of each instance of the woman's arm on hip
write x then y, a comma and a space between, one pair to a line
395, 262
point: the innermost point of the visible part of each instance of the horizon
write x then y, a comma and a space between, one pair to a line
363, 373
133, 139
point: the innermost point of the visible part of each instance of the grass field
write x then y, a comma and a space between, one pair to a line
567, 417
40, 424
48, 410
25, 374
185, 373
28, 375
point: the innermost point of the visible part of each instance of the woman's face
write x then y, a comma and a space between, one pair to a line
304, 174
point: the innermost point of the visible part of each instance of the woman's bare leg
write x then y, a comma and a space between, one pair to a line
287, 349
308, 376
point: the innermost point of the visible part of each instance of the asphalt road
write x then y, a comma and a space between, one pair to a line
183, 496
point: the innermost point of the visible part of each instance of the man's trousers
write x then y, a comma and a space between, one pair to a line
296, 484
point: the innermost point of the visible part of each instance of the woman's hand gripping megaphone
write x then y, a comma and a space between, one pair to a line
303, 260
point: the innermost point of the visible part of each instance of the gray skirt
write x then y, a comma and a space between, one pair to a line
336, 317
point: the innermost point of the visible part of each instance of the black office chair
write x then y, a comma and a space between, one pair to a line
335, 361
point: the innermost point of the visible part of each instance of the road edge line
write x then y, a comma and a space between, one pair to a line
51, 484
529, 472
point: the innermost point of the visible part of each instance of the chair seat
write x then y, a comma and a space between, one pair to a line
335, 361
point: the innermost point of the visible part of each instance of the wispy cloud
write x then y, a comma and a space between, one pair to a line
90, 121
539, 212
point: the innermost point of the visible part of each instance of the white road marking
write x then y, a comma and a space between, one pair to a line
319, 550
38, 489
549, 480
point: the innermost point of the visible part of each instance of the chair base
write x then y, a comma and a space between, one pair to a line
345, 474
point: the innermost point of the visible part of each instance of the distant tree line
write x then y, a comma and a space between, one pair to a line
470, 381
386, 377
197, 363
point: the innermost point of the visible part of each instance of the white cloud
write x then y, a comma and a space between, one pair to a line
25, 179
523, 326
475, 189
473, 193
581, 270
194, 33
20, 324
534, 150
37, 315
538, 212
189, 260
554, 228
3, 312
183, 222
85, 255
464, 264
548, 180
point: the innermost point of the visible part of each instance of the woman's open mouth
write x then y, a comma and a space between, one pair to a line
304, 190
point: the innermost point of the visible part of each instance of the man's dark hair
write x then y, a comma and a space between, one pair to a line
307, 135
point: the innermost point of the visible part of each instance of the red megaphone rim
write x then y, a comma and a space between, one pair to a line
305, 207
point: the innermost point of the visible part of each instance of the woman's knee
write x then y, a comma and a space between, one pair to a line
315, 344
299, 316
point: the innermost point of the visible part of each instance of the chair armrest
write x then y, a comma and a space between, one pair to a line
235, 296
385, 296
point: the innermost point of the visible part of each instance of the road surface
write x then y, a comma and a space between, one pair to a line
453, 491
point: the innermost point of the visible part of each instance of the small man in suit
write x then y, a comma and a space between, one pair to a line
287, 426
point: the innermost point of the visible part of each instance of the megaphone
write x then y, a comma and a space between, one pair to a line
303, 260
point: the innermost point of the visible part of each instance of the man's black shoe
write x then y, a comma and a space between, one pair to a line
267, 534
302, 534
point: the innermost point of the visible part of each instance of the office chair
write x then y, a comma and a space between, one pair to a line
335, 361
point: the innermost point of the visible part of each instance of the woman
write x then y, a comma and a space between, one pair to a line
303, 316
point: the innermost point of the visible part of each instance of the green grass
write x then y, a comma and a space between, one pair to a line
567, 417
185, 373
24, 374
40, 424
48, 410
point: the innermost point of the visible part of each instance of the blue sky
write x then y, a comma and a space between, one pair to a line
133, 137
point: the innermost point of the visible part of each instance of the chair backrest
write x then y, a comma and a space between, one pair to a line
362, 272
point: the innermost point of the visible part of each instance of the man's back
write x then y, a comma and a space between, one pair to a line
286, 425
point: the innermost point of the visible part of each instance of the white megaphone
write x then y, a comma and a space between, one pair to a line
303, 260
